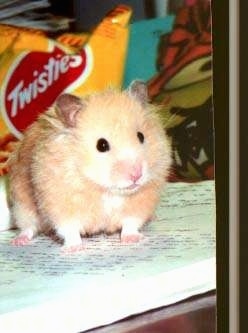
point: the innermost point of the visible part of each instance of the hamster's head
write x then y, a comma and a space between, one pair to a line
118, 140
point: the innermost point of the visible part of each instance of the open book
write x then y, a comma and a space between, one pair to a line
42, 290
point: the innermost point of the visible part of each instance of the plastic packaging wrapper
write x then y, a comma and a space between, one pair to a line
34, 69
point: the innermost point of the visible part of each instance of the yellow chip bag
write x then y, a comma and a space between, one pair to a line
34, 70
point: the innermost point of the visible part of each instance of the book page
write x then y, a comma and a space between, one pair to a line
180, 239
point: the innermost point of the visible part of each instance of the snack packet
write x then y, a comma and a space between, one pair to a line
35, 69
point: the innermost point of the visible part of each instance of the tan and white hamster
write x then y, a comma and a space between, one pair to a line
90, 165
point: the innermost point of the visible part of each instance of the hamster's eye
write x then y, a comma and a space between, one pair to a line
102, 145
140, 137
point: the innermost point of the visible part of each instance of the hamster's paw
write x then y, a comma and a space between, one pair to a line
131, 238
72, 239
23, 238
20, 240
130, 230
72, 249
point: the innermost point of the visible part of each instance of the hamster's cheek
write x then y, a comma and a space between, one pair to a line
146, 173
98, 172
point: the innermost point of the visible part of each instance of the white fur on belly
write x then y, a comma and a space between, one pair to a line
111, 202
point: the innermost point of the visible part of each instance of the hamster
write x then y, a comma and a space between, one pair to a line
90, 165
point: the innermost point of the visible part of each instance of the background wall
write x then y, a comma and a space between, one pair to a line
88, 13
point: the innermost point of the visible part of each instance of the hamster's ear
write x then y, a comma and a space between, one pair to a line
138, 89
67, 106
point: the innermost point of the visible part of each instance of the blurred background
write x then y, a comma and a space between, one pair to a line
165, 43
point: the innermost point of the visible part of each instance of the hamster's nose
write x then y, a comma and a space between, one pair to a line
135, 173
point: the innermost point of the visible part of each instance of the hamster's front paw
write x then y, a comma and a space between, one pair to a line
130, 230
20, 240
23, 238
72, 239
131, 238
73, 249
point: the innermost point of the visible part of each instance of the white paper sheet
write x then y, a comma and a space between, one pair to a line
42, 290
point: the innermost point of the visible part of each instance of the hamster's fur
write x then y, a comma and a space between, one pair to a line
90, 165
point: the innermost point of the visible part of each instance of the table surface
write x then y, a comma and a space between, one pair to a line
194, 315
